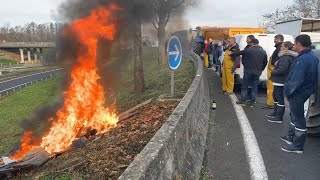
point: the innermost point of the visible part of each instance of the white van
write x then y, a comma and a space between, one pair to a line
267, 43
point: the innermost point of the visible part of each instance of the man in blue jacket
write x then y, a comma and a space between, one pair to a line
299, 86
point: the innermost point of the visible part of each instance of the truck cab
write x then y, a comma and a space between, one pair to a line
218, 34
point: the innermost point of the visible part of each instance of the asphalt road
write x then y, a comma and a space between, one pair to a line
226, 154
4, 85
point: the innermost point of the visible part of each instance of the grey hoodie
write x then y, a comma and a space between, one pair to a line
282, 67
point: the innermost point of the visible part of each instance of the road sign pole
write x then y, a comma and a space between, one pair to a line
174, 58
172, 83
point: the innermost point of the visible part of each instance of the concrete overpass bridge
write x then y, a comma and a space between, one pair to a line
18, 50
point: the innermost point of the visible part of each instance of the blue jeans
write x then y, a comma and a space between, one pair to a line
211, 56
296, 103
278, 95
249, 80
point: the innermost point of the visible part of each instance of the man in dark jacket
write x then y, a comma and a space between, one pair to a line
211, 52
278, 40
300, 84
255, 62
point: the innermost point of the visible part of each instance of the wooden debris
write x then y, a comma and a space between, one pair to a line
126, 116
37, 159
130, 112
33, 159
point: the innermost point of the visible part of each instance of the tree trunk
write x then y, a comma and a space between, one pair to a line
318, 9
162, 40
138, 61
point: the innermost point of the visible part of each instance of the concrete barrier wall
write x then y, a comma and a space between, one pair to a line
177, 149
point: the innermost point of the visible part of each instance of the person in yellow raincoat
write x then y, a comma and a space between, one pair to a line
230, 64
278, 40
205, 54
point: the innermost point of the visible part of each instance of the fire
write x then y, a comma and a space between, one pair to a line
84, 103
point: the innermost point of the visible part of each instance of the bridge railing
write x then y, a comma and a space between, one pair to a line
27, 44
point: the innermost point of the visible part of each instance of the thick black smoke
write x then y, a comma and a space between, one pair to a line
111, 55
39, 122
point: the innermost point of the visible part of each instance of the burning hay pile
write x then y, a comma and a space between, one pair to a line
109, 156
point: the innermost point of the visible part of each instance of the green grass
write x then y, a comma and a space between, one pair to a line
6, 62
21, 105
157, 80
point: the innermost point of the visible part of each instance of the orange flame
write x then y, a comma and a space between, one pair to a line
84, 104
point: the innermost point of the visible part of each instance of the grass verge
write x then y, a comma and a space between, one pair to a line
7, 62
15, 108
157, 80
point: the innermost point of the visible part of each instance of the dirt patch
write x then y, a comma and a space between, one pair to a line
109, 156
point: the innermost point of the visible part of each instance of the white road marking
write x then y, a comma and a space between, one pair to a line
30, 75
257, 167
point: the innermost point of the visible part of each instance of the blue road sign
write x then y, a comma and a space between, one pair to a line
174, 53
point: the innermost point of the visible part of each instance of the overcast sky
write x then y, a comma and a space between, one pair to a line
209, 12
233, 12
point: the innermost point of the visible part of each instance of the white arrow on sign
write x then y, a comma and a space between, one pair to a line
176, 52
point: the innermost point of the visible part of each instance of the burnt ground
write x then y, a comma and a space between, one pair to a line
109, 156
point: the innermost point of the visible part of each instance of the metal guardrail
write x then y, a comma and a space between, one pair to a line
27, 44
6, 92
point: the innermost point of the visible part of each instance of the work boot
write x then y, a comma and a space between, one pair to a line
274, 112
289, 137
240, 103
278, 118
253, 99
252, 104
299, 139
243, 98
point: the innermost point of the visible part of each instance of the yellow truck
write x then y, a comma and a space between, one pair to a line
219, 33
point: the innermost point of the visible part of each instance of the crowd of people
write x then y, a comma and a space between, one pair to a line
213, 53
292, 74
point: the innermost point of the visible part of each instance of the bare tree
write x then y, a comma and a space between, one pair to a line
140, 12
299, 9
30, 32
139, 84
163, 11
270, 19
